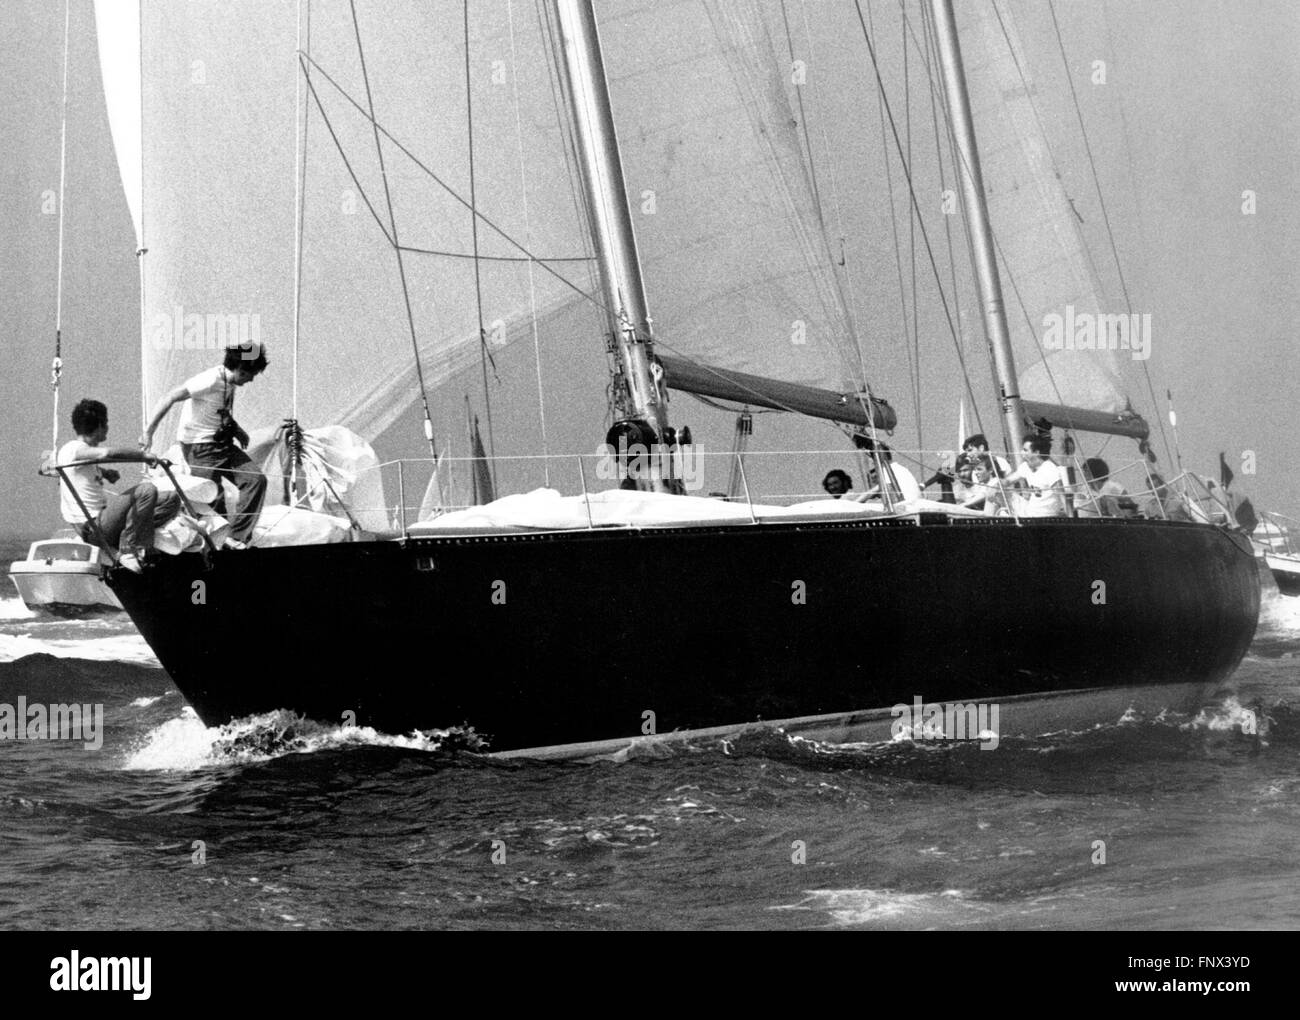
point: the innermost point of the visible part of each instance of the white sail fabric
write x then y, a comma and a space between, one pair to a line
117, 28
219, 86
735, 262
1043, 261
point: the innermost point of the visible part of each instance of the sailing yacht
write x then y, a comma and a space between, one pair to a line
561, 218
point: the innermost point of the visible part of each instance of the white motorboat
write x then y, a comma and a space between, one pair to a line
62, 575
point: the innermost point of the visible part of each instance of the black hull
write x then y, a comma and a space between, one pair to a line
701, 625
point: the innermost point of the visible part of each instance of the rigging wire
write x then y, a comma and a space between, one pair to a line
848, 289
1003, 261
141, 250
347, 163
1047, 142
401, 263
528, 236
1105, 215
939, 112
1056, 171
861, 381
56, 366
442, 253
893, 226
925, 236
424, 167
485, 355
911, 225
803, 117
607, 320
929, 56
301, 111
592, 298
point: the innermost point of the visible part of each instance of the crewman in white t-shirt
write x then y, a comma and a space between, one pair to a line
1039, 482
208, 433
125, 520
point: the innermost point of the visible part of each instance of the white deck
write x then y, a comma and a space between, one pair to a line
547, 510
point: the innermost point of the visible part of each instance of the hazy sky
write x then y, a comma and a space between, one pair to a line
1209, 95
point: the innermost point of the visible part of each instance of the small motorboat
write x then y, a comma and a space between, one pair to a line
63, 575
1286, 571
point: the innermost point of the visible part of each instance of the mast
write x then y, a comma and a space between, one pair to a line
638, 392
983, 256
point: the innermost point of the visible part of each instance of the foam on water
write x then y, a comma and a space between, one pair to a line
866, 906
1230, 715
1279, 614
184, 744
15, 609
130, 648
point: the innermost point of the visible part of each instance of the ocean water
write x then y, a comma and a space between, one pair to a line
273, 823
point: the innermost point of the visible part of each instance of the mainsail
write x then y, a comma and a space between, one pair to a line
1045, 263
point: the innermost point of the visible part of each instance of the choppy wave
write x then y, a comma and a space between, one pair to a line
15, 609
186, 743
129, 648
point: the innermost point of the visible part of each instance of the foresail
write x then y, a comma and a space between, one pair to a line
117, 29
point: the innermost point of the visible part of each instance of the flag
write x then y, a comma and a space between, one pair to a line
1225, 472
1246, 516
481, 476
432, 505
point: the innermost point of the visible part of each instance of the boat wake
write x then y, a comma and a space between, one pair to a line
184, 743
1231, 715
15, 609
1227, 726
852, 907
1279, 616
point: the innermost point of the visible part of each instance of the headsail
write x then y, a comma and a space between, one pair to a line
117, 27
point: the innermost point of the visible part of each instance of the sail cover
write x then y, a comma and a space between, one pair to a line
736, 263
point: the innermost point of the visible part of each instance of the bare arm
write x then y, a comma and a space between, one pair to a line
166, 404
126, 453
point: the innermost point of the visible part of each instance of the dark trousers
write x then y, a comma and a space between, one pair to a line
129, 518
208, 460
